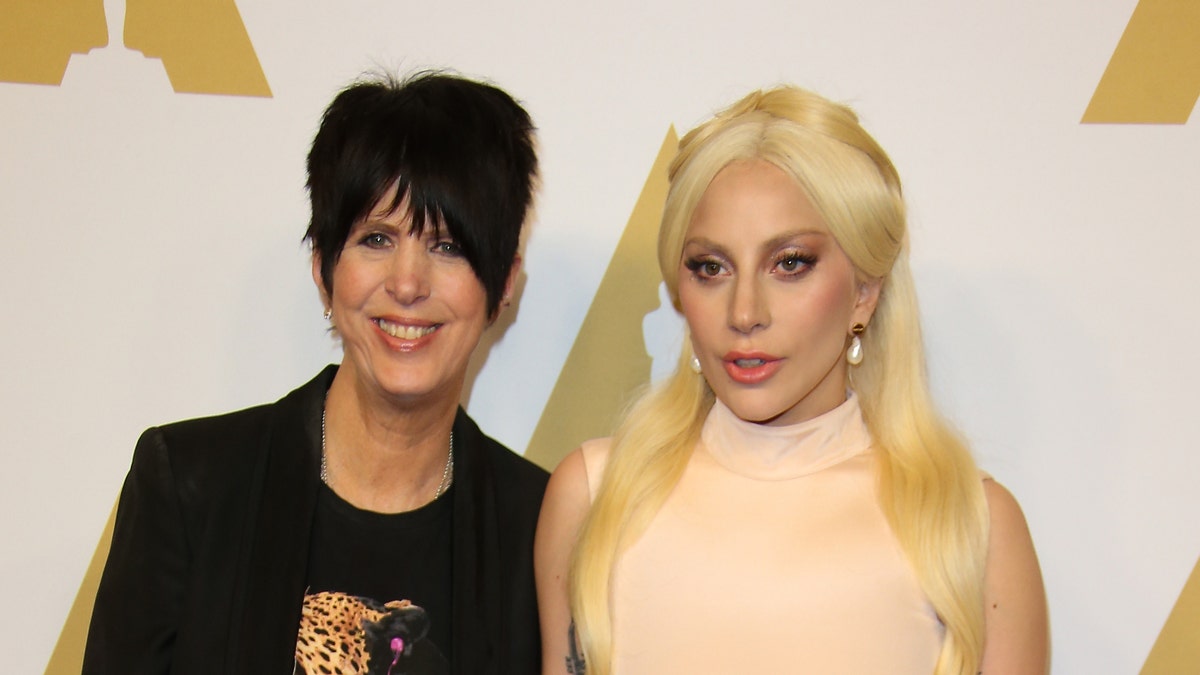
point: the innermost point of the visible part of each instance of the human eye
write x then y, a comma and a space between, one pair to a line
794, 263
447, 247
375, 240
705, 267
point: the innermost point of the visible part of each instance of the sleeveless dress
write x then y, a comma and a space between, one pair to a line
772, 555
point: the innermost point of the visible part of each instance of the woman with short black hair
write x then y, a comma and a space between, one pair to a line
363, 523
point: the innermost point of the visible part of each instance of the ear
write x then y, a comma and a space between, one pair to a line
866, 299
319, 279
510, 283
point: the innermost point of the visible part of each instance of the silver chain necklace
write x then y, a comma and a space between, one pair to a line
447, 471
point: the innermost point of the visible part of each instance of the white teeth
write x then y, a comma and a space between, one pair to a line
749, 363
405, 332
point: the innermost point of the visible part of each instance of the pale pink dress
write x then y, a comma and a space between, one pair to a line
771, 556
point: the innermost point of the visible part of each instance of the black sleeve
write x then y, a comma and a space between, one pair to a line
138, 604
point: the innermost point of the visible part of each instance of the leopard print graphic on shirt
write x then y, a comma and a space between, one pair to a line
346, 635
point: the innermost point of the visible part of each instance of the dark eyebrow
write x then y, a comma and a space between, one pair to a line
373, 223
378, 221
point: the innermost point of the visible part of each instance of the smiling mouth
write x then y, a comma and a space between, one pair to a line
403, 332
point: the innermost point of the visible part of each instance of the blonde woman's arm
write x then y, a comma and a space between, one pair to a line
1017, 637
563, 509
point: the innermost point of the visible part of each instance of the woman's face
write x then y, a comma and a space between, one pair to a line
769, 297
408, 308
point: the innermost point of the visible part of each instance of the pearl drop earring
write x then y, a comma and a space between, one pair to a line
854, 355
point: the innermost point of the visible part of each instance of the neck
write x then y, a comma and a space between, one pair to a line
763, 452
382, 455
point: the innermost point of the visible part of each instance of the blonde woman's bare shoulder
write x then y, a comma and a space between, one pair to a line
595, 458
580, 471
1018, 635
564, 508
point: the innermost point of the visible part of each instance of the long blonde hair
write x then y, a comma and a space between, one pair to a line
929, 487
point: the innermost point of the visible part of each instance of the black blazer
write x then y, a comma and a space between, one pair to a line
209, 553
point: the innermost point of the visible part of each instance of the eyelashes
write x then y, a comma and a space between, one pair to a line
447, 247
792, 263
440, 245
374, 240
704, 267
788, 264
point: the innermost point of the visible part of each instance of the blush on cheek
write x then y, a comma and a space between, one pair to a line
699, 315
834, 299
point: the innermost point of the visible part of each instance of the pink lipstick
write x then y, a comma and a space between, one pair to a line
751, 367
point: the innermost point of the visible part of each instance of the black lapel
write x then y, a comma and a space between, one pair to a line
263, 636
477, 628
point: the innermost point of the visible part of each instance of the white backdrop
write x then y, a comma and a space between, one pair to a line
152, 269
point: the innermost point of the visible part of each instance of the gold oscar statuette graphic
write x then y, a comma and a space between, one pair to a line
38, 37
1177, 649
1154, 78
67, 657
1154, 74
608, 361
202, 44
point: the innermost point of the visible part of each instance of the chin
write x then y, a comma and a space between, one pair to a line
404, 387
758, 412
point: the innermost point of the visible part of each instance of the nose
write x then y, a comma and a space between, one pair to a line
408, 274
748, 310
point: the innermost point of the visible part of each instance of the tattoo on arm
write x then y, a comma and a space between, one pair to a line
575, 662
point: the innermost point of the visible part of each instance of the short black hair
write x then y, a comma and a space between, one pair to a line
461, 151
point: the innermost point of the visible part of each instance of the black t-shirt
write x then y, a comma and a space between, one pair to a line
379, 589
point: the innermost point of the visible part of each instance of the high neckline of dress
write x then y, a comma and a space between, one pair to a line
773, 453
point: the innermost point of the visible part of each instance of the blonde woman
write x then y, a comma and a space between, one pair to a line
789, 500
